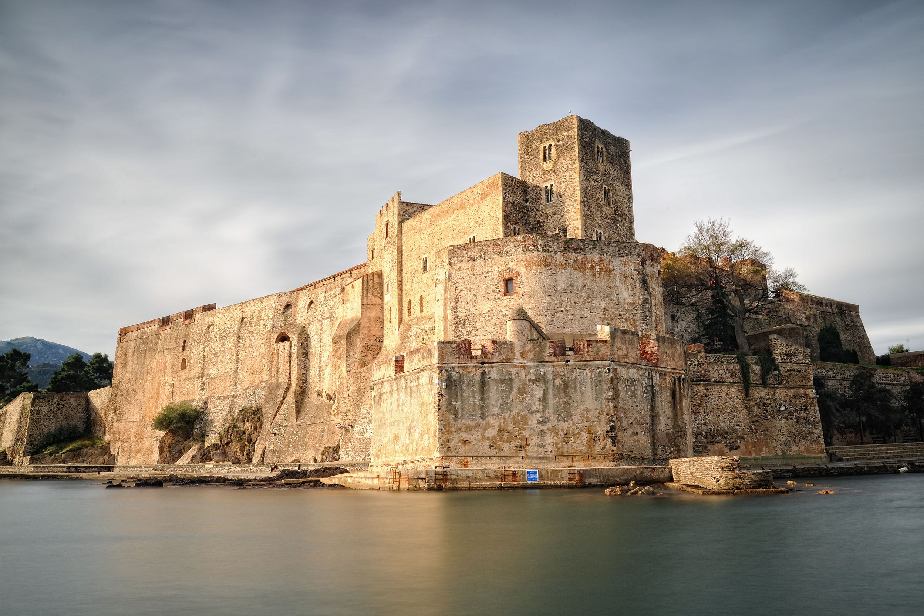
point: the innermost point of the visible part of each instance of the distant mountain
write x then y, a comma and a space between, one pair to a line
46, 357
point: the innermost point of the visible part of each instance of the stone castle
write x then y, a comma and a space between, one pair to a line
518, 323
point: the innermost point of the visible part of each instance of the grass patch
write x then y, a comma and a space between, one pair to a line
81, 442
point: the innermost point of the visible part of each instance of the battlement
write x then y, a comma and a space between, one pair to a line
614, 345
182, 316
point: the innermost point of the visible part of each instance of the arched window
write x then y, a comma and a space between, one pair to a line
282, 338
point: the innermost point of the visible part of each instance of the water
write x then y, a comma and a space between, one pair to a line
76, 548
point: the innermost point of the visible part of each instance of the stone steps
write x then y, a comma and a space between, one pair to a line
888, 452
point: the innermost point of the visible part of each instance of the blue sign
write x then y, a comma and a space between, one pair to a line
532, 475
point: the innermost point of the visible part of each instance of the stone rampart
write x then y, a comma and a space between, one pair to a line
750, 410
33, 420
813, 313
288, 353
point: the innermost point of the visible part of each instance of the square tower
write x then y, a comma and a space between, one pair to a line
586, 177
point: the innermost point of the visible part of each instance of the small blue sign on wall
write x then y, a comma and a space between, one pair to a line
532, 475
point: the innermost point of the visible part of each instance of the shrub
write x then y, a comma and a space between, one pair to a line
897, 348
179, 418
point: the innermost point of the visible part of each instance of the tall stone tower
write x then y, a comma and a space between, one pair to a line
585, 174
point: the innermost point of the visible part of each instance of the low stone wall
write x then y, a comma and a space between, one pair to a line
718, 473
385, 478
32, 419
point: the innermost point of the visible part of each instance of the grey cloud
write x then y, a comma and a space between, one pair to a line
156, 156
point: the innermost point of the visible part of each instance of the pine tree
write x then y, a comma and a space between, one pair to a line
14, 375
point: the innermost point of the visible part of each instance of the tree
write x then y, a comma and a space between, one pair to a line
871, 405
99, 370
898, 348
14, 375
913, 405
735, 274
72, 376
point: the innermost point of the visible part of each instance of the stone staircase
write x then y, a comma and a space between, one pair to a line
885, 452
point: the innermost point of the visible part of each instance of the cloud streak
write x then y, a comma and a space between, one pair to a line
156, 156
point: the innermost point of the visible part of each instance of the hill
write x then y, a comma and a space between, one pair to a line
46, 357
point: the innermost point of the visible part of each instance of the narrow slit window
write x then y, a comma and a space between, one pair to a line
508, 286
600, 153
599, 235
424, 264
549, 193
408, 307
606, 195
421, 304
386, 229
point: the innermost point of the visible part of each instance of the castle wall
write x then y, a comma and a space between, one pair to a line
287, 353
567, 286
779, 418
32, 420
600, 404
813, 313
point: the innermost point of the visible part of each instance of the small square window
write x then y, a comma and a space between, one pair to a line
515, 230
598, 235
508, 286
471, 240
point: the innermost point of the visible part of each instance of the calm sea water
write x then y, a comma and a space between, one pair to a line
76, 548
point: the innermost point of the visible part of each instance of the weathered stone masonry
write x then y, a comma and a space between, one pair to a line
518, 322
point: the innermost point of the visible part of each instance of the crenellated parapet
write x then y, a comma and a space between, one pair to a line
184, 316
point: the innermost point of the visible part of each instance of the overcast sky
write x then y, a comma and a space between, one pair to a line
156, 156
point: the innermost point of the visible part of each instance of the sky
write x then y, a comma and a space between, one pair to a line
156, 156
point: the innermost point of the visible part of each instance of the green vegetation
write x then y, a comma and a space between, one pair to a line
75, 374
868, 409
14, 376
830, 347
76, 444
898, 348
733, 275
913, 405
179, 418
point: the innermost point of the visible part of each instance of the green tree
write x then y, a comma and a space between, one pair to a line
99, 370
14, 375
898, 348
913, 405
179, 418
830, 407
72, 376
872, 406
715, 266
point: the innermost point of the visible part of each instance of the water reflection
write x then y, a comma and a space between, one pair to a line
79, 549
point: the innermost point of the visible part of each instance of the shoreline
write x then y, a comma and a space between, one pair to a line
359, 476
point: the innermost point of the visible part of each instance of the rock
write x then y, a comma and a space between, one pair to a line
826, 491
790, 484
